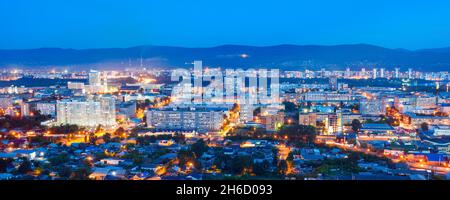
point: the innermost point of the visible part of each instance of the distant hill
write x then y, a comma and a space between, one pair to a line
287, 57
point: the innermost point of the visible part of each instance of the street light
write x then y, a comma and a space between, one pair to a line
89, 158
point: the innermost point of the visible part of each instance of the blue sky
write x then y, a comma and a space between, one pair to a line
411, 24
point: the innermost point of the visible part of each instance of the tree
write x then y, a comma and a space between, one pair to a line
299, 133
65, 129
24, 167
186, 157
257, 111
355, 107
92, 138
65, 172
120, 132
25, 122
40, 140
240, 164
261, 169
135, 156
199, 148
290, 156
81, 173
59, 159
424, 126
289, 106
282, 167
107, 137
4, 163
99, 129
356, 125
275, 157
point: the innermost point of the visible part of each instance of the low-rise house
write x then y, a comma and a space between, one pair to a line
228, 151
6, 176
100, 173
150, 167
381, 129
30, 154
311, 155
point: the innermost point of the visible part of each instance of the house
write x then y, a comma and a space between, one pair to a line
165, 143
311, 155
380, 177
194, 176
436, 158
30, 154
417, 177
228, 151
116, 174
377, 129
7, 155
6, 176
99, 173
150, 167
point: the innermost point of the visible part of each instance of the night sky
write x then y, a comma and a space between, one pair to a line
410, 24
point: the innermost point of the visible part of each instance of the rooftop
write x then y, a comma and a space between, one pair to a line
380, 127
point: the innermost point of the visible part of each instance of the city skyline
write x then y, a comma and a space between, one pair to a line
230, 90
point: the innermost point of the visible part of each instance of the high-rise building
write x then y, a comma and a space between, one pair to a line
94, 78
333, 83
410, 73
348, 73
363, 72
198, 79
374, 73
272, 117
382, 73
75, 85
335, 123
372, 106
190, 118
397, 72
5, 101
43, 107
89, 112
97, 82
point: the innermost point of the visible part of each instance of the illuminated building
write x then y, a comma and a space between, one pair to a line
348, 73
43, 107
372, 106
189, 118
89, 112
333, 83
75, 85
324, 97
382, 73
410, 73
6, 101
97, 82
273, 118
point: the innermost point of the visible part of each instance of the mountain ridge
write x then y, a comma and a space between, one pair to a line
283, 56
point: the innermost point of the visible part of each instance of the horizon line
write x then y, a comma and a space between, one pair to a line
221, 45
